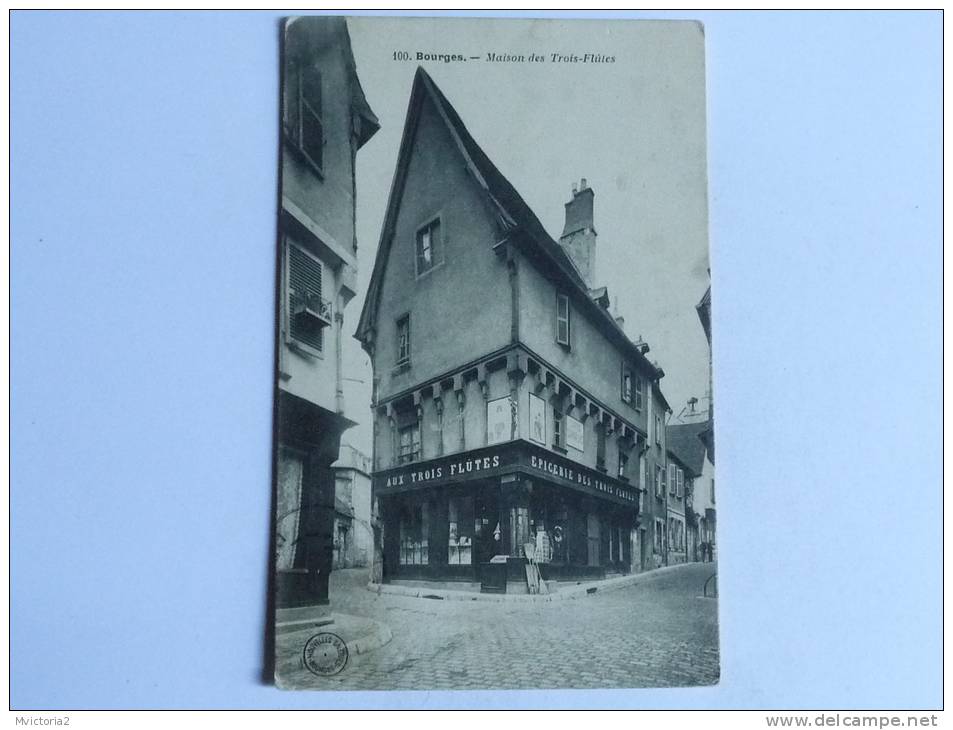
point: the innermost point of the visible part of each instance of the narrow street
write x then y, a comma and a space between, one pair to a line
660, 632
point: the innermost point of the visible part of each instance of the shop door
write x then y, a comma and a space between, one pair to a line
594, 538
486, 518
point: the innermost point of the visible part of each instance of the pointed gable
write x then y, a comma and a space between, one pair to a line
513, 216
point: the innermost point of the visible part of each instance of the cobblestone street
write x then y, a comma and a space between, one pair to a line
659, 632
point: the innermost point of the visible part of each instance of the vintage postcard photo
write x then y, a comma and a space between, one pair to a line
494, 462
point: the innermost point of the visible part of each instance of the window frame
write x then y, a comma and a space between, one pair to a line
567, 343
437, 252
672, 479
302, 105
623, 463
627, 376
402, 363
416, 448
559, 435
639, 400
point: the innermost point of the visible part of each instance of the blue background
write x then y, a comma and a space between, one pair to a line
143, 159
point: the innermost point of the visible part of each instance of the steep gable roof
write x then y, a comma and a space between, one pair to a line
683, 440
515, 217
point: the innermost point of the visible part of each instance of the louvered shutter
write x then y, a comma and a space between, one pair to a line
304, 280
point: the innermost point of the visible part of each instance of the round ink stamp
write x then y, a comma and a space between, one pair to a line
325, 654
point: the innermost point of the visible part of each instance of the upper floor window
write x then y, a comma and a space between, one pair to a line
659, 485
658, 431
562, 319
558, 436
680, 483
304, 113
429, 247
623, 461
308, 312
639, 392
403, 340
712, 490
600, 447
408, 443
672, 478
626, 383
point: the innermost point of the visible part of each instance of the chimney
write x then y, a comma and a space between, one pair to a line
579, 235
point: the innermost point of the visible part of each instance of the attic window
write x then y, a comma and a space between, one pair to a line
429, 247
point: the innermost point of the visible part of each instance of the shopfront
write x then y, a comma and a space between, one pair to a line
445, 518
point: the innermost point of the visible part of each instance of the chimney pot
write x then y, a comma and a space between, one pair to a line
575, 189
582, 184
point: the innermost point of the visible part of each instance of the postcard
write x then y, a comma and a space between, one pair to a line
494, 402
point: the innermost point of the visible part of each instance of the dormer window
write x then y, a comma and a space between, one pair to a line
429, 247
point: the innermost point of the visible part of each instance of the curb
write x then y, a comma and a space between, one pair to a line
374, 640
379, 635
581, 590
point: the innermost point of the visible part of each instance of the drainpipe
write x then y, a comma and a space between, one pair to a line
338, 376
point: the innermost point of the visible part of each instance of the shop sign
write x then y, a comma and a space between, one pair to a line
500, 420
574, 434
537, 419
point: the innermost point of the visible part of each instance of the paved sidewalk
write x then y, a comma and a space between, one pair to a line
654, 632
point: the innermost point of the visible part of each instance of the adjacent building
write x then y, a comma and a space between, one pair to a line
325, 121
510, 408
687, 447
353, 531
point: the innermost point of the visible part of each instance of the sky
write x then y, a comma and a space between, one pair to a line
633, 127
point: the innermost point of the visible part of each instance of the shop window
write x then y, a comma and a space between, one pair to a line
558, 522
659, 535
429, 247
562, 320
403, 341
460, 545
594, 535
408, 443
414, 535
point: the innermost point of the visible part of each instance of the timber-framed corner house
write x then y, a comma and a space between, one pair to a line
510, 408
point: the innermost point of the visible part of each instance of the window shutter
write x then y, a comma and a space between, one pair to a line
304, 280
292, 97
671, 478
